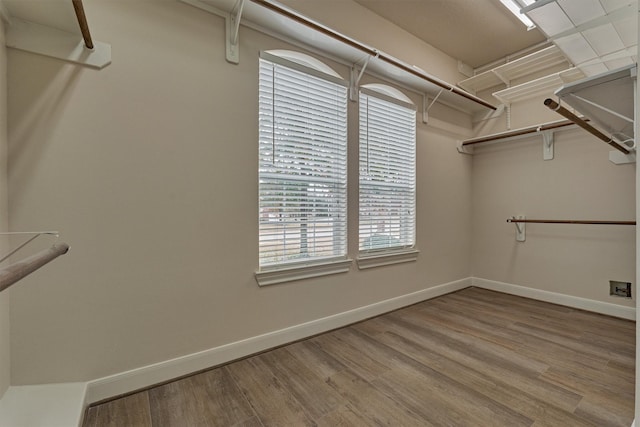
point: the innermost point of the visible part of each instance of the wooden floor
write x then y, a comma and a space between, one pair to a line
471, 358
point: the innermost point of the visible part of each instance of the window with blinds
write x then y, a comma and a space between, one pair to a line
387, 173
303, 163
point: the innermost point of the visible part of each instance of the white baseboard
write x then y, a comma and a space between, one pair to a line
146, 376
67, 401
43, 405
556, 298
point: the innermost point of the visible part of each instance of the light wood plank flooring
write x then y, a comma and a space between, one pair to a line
471, 358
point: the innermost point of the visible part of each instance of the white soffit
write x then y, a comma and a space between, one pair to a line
596, 35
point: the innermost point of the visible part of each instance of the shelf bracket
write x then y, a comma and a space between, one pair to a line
355, 77
619, 158
521, 229
54, 43
464, 149
426, 106
547, 145
232, 28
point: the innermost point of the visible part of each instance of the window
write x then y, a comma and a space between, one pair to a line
302, 162
387, 170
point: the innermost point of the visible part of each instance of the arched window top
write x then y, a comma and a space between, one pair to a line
388, 91
304, 60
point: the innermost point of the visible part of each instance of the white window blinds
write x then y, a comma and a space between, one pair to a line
387, 173
303, 164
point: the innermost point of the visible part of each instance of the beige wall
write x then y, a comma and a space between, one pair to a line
511, 178
149, 170
5, 368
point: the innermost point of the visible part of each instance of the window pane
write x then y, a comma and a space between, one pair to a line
303, 166
387, 174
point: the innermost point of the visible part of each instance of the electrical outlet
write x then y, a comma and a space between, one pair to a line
620, 289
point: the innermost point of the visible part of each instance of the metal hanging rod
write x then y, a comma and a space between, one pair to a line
14, 272
368, 50
518, 132
82, 22
553, 105
569, 221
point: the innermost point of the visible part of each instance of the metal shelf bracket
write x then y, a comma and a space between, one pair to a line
521, 229
355, 77
547, 145
232, 27
426, 106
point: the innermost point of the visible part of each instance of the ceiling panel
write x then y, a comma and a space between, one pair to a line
603, 33
611, 5
551, 19
604, 39
576, 48
628, 30
581, 11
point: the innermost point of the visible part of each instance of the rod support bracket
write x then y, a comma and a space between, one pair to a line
463, 149
426, 105
521, 228
547, 145
232, 28
355, 77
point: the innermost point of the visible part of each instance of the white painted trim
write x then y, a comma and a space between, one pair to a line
557, 298
43, 405
304, 271
63, 404
368, 260
146, 376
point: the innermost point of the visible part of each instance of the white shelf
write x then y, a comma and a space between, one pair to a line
521, 67
544, 85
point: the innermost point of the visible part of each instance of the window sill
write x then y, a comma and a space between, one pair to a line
299, 272
386, 258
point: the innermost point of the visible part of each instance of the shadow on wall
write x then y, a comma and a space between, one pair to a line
45, 100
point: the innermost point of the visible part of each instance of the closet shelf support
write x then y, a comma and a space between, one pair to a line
354, 82
232, 28
553, 105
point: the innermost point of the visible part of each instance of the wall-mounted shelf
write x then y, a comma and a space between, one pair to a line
518, 68
278, 20
32, 28
545, 85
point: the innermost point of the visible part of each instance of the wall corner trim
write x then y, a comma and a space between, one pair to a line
607, 308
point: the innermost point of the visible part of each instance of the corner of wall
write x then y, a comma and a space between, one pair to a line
5, 371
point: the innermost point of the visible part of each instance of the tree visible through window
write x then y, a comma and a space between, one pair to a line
303, 163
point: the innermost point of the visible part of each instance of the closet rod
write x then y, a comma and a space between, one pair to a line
570, 221
518, 132
553, 105
368, 50
82, 22
14, 272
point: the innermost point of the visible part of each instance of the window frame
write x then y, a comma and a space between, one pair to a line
288, 270
368, 258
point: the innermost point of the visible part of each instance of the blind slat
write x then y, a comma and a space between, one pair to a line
303, 171
387, 175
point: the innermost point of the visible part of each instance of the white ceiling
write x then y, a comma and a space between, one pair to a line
475, 31
596, 35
